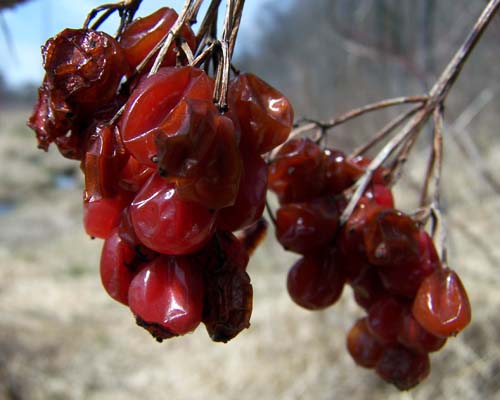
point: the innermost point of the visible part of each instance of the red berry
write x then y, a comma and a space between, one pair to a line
441, 305
85, 65
297, 172
378, 194
367, 287
308, 226
118, 266
100, 216
340, 174
151, 102
391, 239
362, 346
405, 279
384, 320
143, 34
251, 198
263, 114
168, 224
197, 149
166, 296
402, 367
315, 281
413, 336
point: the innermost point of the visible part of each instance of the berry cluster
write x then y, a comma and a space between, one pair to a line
413, 302
169, 180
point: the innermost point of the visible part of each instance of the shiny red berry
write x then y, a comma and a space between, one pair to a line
362, 346
441, 305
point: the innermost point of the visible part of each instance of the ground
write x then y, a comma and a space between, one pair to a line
62, 337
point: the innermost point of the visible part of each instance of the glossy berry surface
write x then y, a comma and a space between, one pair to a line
362, 345
198, 150
251, 198
151, 102
441, 305
315, 282
168, 224
143, 34
297, 172
309, 226
402, 367
413, 336
384, 320
263, 114
119, 263
166, 296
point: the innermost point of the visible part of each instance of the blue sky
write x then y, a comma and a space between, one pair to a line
30, 25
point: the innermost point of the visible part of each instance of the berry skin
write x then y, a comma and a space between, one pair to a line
151, 102
197, 149
168, 224
143, 34
315, 281
119, 263
413, 336
367, 287
405, 279
228, 291
384, 320
263, 115
166, 296
297, 172
100, 216
391, 239
441, 305
251, 199
402, 367
362, 346
339, 172
85, 65
308, 226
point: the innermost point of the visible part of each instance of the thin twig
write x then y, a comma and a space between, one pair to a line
174, 31
385, 131
436, 97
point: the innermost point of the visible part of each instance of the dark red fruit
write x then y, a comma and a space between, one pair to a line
151, 102
297, 172
315, 281
264, 116
402, 367
378, 194
168, 224
308, 226
384, 320
101, 215
362, 346
441, 305
119, 263
413, 336
366, 286
197, 149
340, 174
85, 65
405, 279
251, 198
143, 34
391, 239
166, 296
228, 291
104, 158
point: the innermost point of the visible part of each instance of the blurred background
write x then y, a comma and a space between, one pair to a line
62, 337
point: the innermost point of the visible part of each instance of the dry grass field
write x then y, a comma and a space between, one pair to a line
62, 337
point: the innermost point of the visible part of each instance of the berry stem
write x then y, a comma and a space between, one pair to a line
434, 101
172, 34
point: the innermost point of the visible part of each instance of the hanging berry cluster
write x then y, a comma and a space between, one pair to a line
169, 179
413, 302
171, 145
